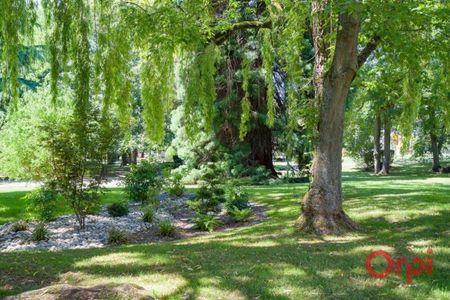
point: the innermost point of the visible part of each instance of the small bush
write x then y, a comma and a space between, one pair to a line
116, 236
43, 202
175, 187
236, 196
207, 199
149, 214
39, 233
141, 178
205, 222
240, 215
167, 228
19, 226
118, 209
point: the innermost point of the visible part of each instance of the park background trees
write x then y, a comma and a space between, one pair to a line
97, 48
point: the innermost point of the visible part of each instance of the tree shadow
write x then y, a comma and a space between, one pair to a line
269, 260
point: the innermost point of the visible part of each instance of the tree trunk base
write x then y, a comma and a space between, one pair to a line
383, 173
315, 220
436, 169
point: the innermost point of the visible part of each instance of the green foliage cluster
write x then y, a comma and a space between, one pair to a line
210, 194
43, 202
118, 209
174, 184
148, 213
268, 61
75, 156
22, 155
144, 181
17, 20
206, 222
116, 236
167, 228
237, 202
52, 143
39, 233
240, 215
235, 196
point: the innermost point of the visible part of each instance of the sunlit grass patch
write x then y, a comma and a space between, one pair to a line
272, 260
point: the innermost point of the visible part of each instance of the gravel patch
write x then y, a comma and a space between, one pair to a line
64, 232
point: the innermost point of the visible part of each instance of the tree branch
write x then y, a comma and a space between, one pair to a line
371, 45
220, 36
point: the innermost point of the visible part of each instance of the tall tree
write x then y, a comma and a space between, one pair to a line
165, 33
322, 206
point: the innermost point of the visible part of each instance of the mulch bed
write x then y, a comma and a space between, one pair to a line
185, 226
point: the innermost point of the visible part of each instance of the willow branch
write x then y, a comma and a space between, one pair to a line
220, 36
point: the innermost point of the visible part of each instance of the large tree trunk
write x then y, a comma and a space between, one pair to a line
259, 137
261, 144
387, 147
322, 211
435, 151
377, 144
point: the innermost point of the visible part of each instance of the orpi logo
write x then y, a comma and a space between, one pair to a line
411, 270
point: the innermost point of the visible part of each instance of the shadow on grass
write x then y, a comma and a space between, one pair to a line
270, 260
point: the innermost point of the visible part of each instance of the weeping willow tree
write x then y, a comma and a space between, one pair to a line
103, 37
17, 19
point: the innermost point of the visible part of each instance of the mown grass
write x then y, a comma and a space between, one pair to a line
404, 214
14, 204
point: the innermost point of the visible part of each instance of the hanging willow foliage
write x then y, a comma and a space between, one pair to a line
113, 56
268, 62
17, 20
245, 116
410, 100
290, 28
291, 44
191, 78
69, 39
157, 98
208, 83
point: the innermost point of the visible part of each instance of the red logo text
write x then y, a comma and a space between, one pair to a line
411, 270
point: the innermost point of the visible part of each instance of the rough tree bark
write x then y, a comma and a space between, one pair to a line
387, 147
435, 151
261, 144
322, 211
377, 144
259, 137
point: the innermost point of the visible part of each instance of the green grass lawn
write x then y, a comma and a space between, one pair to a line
13, 204
404, 214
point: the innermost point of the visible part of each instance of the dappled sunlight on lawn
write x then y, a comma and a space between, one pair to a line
123, 258
272, 260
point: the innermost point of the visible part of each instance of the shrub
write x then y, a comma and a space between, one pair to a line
77, 162
175, 187
39, 233
83, 203
43, 202
235, 196
116, 236
118, 209
207, 200
205, 222
149, 214
260, 175
240, 215
166, 228
153, 196
19, 226
141, 178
